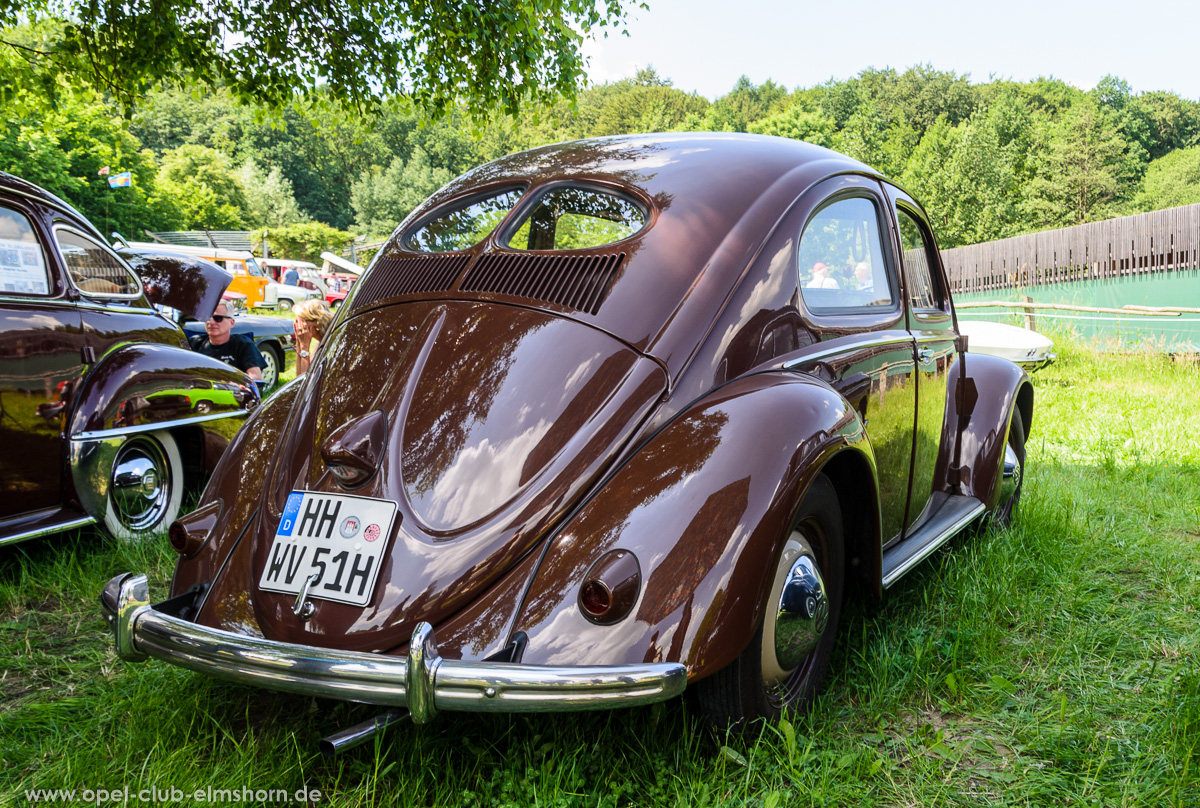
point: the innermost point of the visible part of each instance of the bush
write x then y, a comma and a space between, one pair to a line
306, 241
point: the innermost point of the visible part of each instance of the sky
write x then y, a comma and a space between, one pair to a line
705, 45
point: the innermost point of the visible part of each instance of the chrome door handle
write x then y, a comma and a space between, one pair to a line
924, 355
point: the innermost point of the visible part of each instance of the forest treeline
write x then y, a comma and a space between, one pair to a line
988, 160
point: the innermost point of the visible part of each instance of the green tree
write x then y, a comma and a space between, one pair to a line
624, 106
270, 201
1079, 168
357, 52
1171, 181
1174, 122
865, 137
921, 94
306, 241
63, 148
747, 103
201, 184
382, 199
798, 123
1050, 95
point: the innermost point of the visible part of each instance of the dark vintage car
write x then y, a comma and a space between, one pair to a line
609, 418
97, 421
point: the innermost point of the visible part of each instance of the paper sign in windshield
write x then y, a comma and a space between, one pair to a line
22, 268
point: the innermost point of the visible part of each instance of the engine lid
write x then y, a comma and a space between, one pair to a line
498, 419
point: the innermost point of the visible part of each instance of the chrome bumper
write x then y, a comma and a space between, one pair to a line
422, 681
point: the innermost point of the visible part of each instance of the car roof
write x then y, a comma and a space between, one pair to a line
15, 185
714, 199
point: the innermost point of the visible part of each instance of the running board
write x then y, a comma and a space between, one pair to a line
955, 513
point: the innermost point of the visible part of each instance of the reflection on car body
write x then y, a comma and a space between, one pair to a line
629, 448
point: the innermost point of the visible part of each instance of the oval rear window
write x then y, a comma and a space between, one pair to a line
463, 227
577, 219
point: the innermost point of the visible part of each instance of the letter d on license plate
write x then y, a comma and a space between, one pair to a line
338, 538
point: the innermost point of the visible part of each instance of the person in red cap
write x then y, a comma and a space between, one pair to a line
820, 278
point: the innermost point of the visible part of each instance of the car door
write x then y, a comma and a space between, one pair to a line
851, 298
931, 322
41, 360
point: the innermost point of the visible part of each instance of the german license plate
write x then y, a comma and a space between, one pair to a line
339, 539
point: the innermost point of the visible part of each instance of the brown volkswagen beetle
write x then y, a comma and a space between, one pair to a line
105, 414
610, 418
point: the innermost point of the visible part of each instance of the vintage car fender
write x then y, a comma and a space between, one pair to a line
982, 392
225, 509
142, 387
704, 505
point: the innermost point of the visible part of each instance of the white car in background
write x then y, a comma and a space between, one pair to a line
283, 296
1029, 349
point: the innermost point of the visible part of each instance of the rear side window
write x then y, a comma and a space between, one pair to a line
22, 262
577, 219
93, 269
841, 260
463, 227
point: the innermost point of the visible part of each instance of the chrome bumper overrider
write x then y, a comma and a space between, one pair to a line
423, 682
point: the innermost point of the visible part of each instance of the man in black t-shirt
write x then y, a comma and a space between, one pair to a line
232, 349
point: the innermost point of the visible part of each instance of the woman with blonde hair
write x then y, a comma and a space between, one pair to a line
312, 317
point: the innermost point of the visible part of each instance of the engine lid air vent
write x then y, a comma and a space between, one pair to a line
392, 277
579, 282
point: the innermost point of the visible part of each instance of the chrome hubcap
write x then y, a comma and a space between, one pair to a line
798, 613
1011, 479
803, 613
270, 370
141, 484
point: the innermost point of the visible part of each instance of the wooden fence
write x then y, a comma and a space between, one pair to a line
1159, 241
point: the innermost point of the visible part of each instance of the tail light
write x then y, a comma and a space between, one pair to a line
189, 533
611, 587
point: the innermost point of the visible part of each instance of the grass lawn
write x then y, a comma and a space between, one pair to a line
1052, 664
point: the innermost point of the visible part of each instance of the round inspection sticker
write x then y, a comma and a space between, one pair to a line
371, 533
350, 526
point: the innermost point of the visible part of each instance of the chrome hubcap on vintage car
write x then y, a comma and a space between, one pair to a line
141, 483
798, 612
1011, 479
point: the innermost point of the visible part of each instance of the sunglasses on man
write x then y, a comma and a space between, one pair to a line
220, 318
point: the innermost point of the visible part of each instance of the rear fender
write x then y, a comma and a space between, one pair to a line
136, 388
981, 394
234, 491
704, 506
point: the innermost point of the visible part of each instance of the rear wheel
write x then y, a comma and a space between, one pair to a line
785, 663
145, 489
272, 364
1013, 472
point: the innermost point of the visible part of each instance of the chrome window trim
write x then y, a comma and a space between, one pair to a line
91, 304
120, 262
